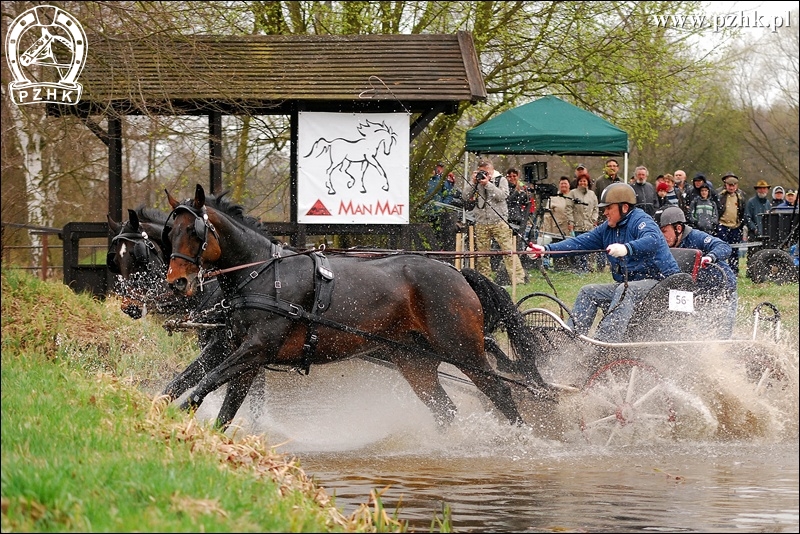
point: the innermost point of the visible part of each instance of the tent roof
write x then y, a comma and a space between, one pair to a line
548, 126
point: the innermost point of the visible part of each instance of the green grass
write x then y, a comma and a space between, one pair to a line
84, 449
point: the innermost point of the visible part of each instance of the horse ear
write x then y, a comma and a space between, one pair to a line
172, 201
133, 219
199, 197
113, 226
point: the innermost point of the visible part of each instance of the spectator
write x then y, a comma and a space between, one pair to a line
661, 192
777, 196
680, 182
610, 176
518, 199
646, 197
754, 207
716, 284
490, 191
694, 191
519, 203
674, 195
639, 258
703, 212
731, 216
582, 213
442, 190
789, 202
580, 171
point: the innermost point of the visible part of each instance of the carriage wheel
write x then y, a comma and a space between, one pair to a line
624, 402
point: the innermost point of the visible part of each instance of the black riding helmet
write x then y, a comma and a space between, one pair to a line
671, 215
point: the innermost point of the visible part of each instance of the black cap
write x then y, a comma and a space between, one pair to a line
699, 176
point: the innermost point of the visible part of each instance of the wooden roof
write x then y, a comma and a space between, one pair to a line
274, 74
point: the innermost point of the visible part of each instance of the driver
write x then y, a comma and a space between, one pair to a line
716, 281
639, 258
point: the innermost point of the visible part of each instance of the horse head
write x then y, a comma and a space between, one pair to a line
186, 241
389, 140
132, 249
137, 261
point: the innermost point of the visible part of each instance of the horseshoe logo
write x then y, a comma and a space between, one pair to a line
43, 44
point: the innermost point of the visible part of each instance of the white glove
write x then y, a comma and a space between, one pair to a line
535, 250
618, 250
705, 261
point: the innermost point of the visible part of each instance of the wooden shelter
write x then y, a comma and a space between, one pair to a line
422, 74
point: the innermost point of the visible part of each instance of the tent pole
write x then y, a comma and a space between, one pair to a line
625, 175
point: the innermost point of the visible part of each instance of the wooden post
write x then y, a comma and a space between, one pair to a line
45, 252
471, 246
459, 250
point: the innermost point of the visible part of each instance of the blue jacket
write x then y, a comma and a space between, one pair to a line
711, 279
648, 253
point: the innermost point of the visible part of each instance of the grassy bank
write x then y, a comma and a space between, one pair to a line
85, 450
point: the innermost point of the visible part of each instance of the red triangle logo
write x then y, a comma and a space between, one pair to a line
318, 209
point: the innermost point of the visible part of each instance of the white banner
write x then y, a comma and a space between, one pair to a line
353, 168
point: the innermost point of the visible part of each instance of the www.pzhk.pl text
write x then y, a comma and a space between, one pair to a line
743, 19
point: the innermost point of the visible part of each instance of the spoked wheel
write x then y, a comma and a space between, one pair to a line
626, 401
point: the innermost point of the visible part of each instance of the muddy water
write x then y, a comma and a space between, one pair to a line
729, 461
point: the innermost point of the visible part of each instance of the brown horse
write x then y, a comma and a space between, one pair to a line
408, 309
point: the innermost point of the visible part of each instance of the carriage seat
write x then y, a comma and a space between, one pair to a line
688, 260
653, 318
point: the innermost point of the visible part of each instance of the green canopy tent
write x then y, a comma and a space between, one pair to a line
549, 126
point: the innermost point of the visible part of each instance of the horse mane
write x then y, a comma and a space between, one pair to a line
237, 214
151, 215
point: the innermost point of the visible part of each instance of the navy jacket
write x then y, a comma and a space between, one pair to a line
710, 279
648, 253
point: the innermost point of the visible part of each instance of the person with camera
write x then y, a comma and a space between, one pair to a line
489, 193
639, 259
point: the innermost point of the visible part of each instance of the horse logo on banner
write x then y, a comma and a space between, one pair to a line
50, 38
376, 138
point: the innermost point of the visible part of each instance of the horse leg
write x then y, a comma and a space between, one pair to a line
377, 164
422, 374
211, 355
234, 397
497, 390
329, 183
346, 170
243, 361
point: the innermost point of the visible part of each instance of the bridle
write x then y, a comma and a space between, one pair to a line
144, 250
201, 227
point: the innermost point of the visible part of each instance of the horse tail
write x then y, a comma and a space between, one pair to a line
324, 149
498, 308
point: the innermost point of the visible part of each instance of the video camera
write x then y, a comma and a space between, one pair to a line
536, 172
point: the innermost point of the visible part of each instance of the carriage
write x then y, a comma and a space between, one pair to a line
415, 313
664, 381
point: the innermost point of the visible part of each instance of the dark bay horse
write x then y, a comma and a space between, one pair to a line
135, 257
408, 309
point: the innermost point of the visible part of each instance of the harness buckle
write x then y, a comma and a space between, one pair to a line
254, 275
278, 284
294, 310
